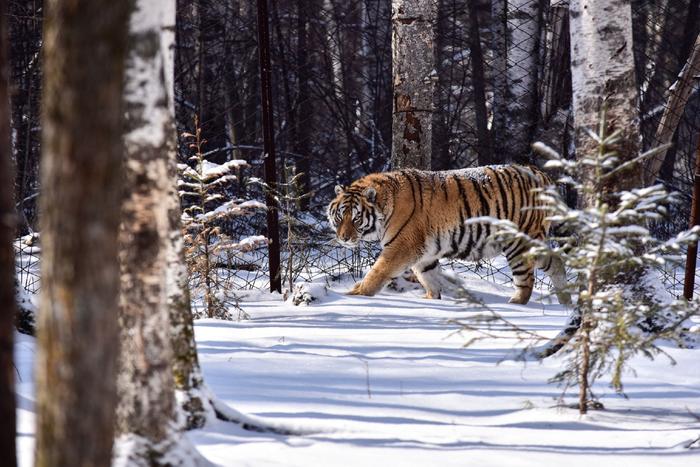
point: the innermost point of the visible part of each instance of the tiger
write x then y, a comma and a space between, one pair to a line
419, 217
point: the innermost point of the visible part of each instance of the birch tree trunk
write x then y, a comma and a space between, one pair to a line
602, 73
84, 48
603, 76
190, 392
415, 79
7, 264
146, 411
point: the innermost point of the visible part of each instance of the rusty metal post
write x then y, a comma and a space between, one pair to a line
690, 261
273, 233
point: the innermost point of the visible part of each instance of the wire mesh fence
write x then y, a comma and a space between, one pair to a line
503, 82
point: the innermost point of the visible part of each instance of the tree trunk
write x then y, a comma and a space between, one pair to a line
485, 147
602, 68
186, 75
555, 90
24, 30
674, 110
7, 264
148, 248
523, 33
414, 78
302, 144
499, 45
440, 157
603, 76
191, 393
84, 46
211, 110
187, 376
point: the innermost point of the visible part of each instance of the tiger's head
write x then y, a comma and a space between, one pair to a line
354, 215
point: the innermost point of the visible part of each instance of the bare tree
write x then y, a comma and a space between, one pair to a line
84, 47
152, 297
414, 78
7, 264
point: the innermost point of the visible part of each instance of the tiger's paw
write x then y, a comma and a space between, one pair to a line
358, 289
430, 295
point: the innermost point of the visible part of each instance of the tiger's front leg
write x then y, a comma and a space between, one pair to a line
383, 270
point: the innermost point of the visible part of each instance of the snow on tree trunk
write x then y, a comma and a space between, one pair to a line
523, 36
602, 73
146, 411
84, 46
415, 79
7, 263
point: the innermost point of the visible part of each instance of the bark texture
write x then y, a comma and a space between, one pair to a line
146, 408
602, 69
415, 79
191, 395
84, 48
7, 264
603, 76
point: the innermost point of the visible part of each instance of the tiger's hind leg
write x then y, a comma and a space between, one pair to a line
523, 272
429, 276
554, 268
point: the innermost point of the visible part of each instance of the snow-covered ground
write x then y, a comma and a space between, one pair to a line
386, 381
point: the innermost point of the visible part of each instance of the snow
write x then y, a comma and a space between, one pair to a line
233, 207
386, 380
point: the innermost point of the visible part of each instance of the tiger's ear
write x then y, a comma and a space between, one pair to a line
370, 193
339, 189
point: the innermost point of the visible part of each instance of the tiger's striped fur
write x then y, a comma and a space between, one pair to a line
419, 217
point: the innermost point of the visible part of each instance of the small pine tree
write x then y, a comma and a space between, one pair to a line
203, 191
612, 321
